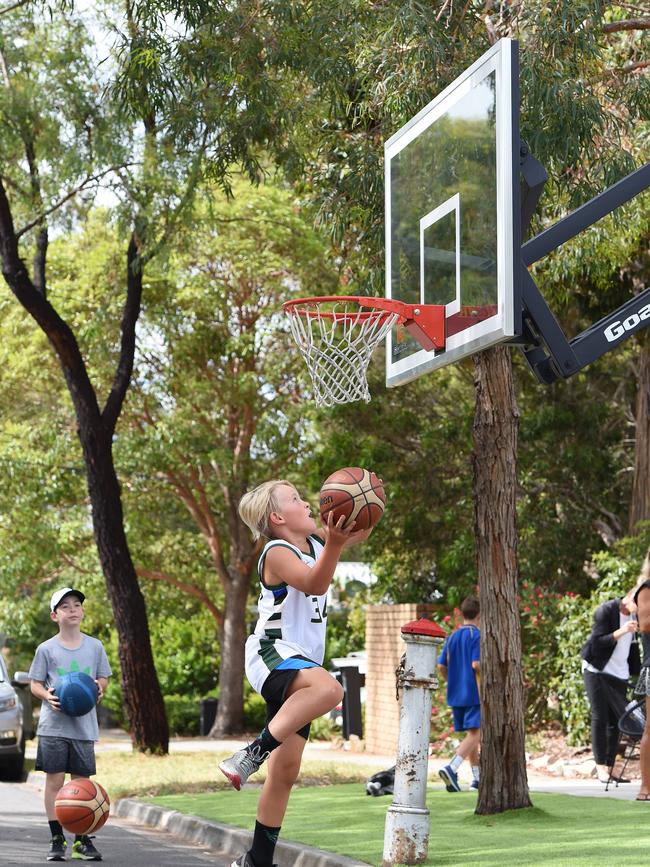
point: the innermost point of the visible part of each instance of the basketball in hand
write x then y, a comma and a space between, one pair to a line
354, 494
82, 806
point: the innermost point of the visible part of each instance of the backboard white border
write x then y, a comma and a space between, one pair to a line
452, 204
502, 60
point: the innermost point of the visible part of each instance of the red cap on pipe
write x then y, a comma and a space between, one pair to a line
424, 627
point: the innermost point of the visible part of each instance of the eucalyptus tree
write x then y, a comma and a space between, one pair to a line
216, 408
67, 130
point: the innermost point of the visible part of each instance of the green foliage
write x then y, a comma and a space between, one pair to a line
183, 714
254, 710
575, 617
323, 729
186, 654
541, 611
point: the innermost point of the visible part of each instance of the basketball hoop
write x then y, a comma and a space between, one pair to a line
337, 335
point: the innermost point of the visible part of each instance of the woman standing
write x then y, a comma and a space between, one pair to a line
610, 655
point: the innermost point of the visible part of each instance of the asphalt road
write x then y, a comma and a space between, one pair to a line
24, 837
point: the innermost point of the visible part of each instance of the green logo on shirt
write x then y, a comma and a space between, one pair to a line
74, 666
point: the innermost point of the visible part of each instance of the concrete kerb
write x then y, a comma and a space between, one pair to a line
222, 838
213, 835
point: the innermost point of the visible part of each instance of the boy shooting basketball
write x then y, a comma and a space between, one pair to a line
285, 653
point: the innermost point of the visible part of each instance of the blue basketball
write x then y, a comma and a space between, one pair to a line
77, 693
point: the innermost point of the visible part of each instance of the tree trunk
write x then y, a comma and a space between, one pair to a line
504, 785
640, 505
229, 719
142, 696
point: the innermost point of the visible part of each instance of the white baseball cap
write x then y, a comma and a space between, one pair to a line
57, 597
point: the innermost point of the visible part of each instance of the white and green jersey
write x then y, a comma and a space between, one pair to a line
290, 624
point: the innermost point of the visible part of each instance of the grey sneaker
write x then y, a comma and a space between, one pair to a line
239, 767
58, 845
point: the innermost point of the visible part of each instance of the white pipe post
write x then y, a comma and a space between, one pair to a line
406, 835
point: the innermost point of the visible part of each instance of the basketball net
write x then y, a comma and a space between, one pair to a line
337, 338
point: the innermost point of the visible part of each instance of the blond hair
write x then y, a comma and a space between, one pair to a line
255, 507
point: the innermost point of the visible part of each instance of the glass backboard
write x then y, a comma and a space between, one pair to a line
452, 214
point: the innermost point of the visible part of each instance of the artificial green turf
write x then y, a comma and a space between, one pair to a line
560, 830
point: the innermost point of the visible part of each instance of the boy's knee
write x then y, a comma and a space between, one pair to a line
286, 774
337, 693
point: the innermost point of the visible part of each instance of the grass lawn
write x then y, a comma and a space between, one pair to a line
136, 774
560, 830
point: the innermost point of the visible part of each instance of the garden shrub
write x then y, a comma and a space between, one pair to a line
183, 713
539, 615
323, 729
254, 710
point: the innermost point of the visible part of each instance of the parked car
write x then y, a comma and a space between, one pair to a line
16, 721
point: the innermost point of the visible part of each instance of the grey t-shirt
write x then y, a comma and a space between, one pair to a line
51, 661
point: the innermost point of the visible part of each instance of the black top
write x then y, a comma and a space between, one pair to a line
600, 645
636, 595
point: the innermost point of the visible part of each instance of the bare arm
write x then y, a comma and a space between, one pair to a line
101, 682
39, 691
283, 566
443, 671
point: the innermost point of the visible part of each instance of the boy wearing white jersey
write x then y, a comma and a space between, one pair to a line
284, 655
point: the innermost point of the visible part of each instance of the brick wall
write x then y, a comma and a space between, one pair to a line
384, 647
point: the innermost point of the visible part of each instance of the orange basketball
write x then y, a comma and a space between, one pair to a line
82, 806
355, 494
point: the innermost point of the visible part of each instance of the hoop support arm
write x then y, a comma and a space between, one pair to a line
551, 356
426, 324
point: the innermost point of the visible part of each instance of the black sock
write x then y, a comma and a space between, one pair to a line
78, 837
265, 741
264, 840
55, 828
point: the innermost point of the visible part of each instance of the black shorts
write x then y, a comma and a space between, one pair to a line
274, 693
56, 755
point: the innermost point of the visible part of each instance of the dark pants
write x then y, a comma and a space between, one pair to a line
607, 698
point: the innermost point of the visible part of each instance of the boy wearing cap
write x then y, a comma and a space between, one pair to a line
66, 744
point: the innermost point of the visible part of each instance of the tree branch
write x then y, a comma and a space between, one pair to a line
130, 316
69, 195
190, 589
203, 519
632, 67
16, 5
627, 24
57, 329
186, 198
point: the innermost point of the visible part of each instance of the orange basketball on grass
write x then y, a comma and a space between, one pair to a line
355, 494
82, 806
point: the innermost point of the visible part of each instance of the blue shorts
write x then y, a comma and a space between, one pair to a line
468, 717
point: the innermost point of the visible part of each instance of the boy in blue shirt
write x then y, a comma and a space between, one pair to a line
460, 666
